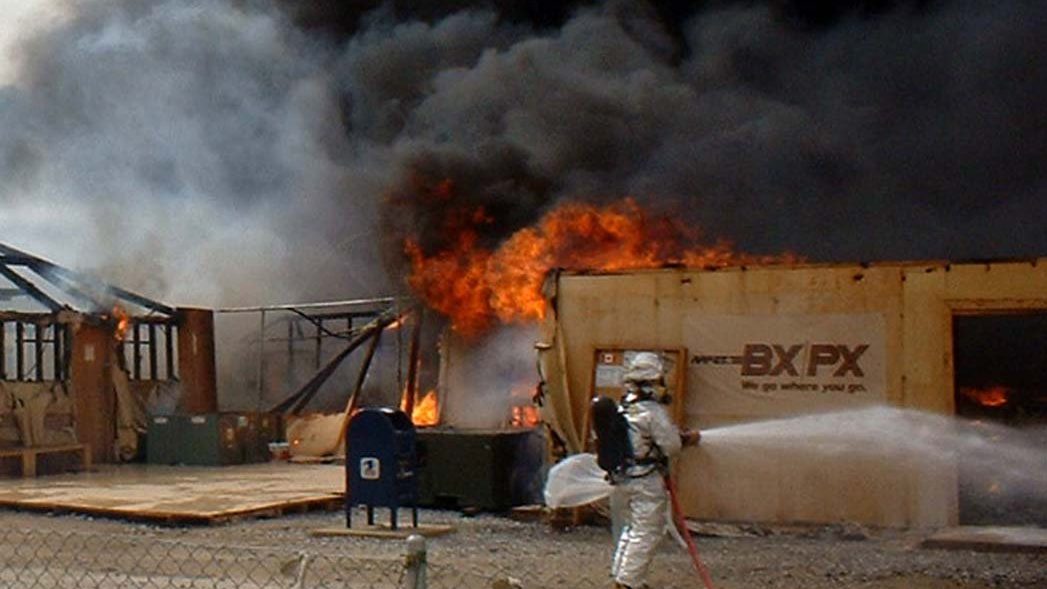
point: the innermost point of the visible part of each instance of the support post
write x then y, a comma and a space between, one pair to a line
3, 351
169, 352
152, 352
68, 334
196, 360
303, 566
58, 336
38, 351
261, 359
412, 362
354, 397
319, 341
136, 339
90, 368
291, 368
20, 350
415, 563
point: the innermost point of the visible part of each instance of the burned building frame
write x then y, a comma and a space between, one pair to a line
82, 343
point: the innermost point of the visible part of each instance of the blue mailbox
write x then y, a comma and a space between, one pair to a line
380, 464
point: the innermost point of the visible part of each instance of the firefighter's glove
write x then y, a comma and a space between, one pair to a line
690, 437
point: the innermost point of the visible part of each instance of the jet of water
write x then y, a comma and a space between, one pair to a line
1017, 458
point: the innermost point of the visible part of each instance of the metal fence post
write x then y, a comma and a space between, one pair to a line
414, 563
303, 566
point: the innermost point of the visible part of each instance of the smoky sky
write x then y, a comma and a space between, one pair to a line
228, 152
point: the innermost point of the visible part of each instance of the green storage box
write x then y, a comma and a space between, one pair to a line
163, 439
262, 428
213, 439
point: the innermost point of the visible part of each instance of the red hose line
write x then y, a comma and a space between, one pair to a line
681, 525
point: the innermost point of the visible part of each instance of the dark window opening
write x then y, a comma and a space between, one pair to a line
1000, 364
150, 350
33, 351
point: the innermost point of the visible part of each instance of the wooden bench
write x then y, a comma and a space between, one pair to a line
29, 454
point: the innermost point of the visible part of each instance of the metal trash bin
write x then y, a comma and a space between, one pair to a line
504, 468
380, 465
163, 440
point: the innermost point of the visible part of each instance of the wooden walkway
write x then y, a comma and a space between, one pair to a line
182, 495
989, 539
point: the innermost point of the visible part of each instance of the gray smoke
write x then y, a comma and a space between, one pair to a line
214, 153
189, 150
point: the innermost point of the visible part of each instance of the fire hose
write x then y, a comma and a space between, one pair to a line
681, 525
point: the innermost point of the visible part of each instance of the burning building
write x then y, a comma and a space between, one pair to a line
327, 361
764, 342
82, 362
488, 150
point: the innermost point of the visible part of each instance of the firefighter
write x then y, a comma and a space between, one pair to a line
640, 487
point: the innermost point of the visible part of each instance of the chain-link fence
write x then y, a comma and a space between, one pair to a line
34, 559
539, 575
52, 559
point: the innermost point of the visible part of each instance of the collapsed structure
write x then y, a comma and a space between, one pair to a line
82, 363
748, 344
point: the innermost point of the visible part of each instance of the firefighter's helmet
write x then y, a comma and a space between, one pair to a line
644, 367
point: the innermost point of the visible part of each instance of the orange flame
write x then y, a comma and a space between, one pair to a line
992, 396
525, 416
453, 282
523, 413
476, 287
123, 323
426, 410
397, 324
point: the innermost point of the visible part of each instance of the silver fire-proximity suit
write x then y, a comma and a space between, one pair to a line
641, 489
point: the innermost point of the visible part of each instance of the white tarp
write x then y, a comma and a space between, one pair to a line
576, 480
579, 480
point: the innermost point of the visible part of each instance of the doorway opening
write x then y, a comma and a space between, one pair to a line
1000, 376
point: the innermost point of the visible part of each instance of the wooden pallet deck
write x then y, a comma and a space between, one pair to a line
384, 531
989, 539
182, 495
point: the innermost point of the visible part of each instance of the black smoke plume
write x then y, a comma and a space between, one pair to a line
249, 151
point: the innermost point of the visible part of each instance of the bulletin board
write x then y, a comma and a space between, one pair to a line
609, 367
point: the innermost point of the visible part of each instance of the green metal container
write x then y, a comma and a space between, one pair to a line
163, 439
261, 429
213, 439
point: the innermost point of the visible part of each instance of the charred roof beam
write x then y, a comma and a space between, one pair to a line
49, 271
141, 300
72, 290
114, 291
30, 289
18, 260
297, 400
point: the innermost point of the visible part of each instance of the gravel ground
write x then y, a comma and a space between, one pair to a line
541, 556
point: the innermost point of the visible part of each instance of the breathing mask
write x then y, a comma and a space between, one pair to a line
645, 379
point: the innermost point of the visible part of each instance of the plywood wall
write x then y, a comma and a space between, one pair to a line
906, 310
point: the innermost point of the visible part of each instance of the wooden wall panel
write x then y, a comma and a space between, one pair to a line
91, 382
